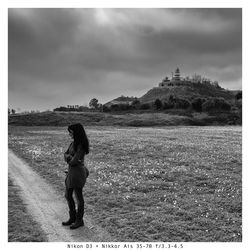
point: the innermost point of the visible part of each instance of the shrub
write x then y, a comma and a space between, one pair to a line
197, 104
171, 98
124, 107
239, 103
114, 107
70, 109
145, 106
216, 104
238, 96
136, 102
182, 104
224, 105
106, 108
168, 105
158, 104
61, 109
209, 105
93, 103
83, 108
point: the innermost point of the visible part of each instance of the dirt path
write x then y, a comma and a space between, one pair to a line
49, 208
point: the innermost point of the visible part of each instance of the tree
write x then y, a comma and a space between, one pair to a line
197, 104
106, 108
158, 104
171, 98
114, 107
124, 106
13, 111
93, 103
144, 106
216, 105
100, 107
168, 105
61, 109
8, 111
216, 84
135, 104
182, 103
238, 95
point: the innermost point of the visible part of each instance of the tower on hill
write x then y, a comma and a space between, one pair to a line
177, 80
177, 75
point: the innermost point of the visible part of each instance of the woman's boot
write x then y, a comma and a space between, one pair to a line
72, 218
79, 219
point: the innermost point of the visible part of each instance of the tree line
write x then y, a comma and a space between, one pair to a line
210, 104
198, 104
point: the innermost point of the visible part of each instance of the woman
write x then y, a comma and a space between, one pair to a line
76, 175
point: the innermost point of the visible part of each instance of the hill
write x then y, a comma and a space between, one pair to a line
121, 100
188, 92
123, 112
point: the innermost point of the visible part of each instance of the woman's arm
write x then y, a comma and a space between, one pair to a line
77, 157
67, 156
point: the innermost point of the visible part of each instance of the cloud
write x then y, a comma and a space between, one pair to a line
105, 52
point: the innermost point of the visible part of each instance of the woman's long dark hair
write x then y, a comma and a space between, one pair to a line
79, 136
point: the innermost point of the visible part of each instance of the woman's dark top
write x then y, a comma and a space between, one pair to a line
77, 172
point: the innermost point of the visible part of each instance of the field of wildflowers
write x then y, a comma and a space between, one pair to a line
150, 184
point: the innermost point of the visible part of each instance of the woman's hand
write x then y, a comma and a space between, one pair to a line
68, 158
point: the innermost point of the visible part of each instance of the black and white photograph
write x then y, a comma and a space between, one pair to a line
125, 126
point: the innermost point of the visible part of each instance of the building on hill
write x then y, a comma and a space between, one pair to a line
177, 76
165, 82
177, 80
72, 106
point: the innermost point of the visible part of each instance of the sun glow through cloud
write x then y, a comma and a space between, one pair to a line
78, 54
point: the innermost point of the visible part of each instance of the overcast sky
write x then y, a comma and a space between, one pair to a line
69, 56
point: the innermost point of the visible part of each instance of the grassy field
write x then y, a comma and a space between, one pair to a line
21, 226
150, 184
133, 118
